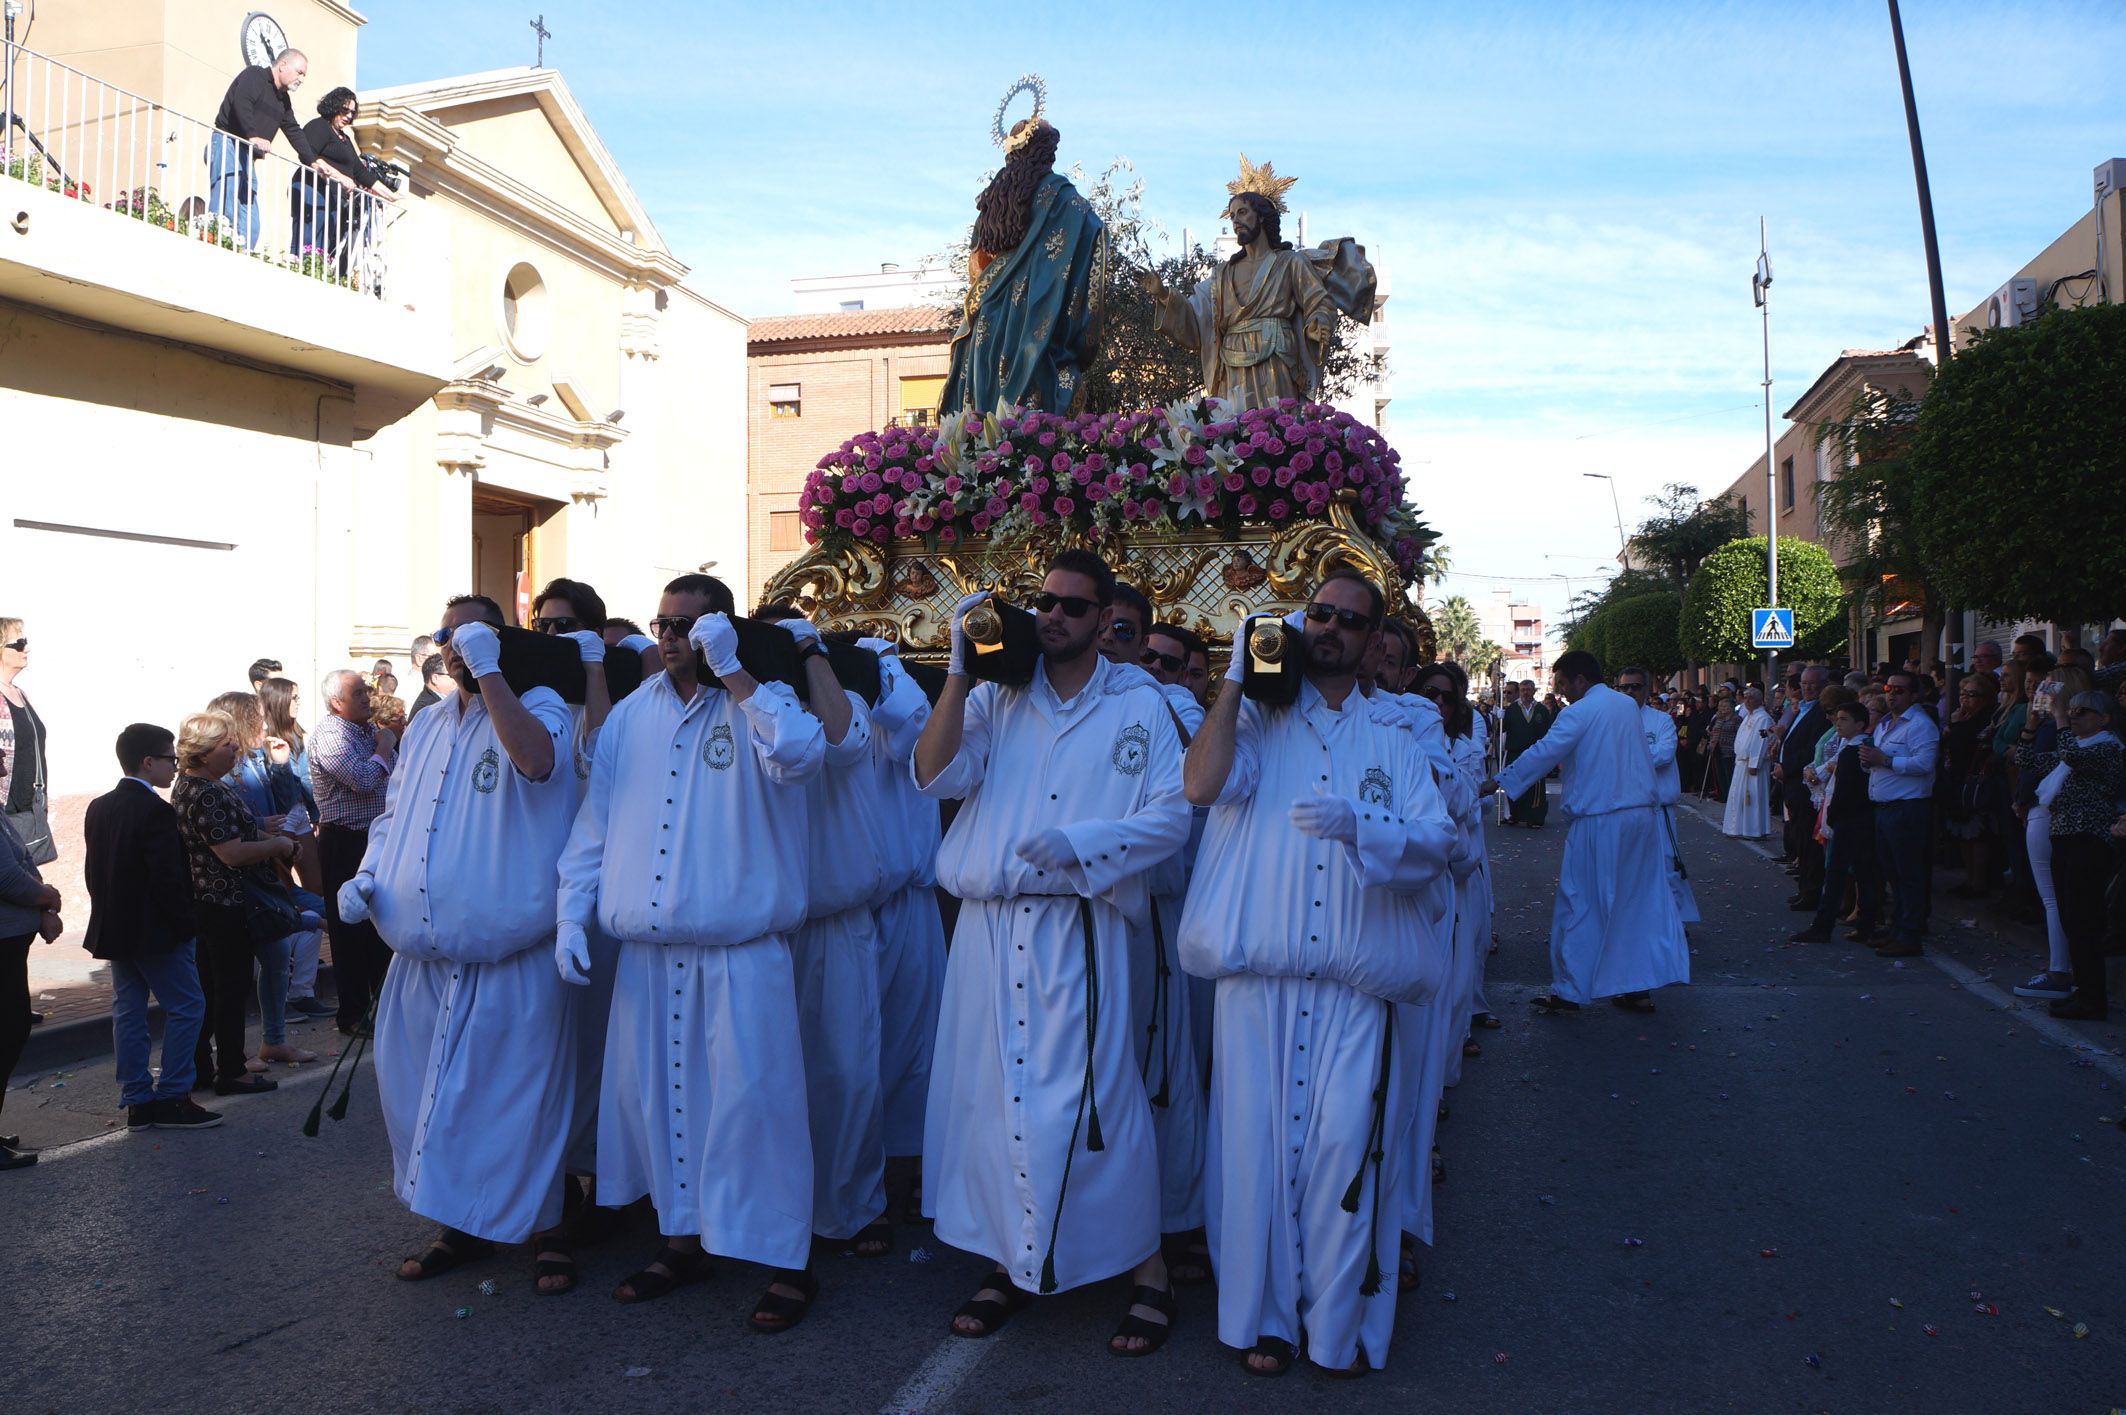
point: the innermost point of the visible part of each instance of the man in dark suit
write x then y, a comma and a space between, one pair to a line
1796, 751
140, 922
1526, 722
436, 685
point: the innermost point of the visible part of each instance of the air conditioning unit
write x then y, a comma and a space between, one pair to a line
2012, 304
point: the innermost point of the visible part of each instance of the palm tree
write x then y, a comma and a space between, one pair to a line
1439, 560
1458, 628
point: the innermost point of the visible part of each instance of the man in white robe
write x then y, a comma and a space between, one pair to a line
690, 850
1749, 793
1614, 931
1325, 827
1164, 1005
1038, 1149
1635, 683
835, 957
911, 931
474, 1047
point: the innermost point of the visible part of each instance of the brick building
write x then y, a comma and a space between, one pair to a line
812, 382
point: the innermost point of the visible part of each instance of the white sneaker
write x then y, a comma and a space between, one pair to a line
2055, 986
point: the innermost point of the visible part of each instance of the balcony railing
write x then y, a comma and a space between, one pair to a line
93, 142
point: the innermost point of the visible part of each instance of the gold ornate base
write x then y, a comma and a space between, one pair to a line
1200, 580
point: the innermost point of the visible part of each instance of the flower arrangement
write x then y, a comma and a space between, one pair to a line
1192, 466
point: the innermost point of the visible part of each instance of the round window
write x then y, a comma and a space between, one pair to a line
525, 319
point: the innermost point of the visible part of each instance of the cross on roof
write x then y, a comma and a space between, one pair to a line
538, 27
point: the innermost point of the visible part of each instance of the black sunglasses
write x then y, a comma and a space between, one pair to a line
677, 625
22, 644
558, 624
1171, 662
1122, 629
1434, 694
1075, 606
1345, 618
1633, 687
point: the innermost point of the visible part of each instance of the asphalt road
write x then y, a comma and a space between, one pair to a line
1812, 1182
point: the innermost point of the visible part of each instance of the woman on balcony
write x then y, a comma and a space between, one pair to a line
323, 211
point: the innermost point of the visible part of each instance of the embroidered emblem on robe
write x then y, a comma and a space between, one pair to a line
1376, 789
1133, 748
487, 774
719, 751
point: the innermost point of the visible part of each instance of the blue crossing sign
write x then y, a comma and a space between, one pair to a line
1771, 628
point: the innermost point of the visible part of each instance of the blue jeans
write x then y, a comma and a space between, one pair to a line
273, 972
1902, 838
174, 979
232, 186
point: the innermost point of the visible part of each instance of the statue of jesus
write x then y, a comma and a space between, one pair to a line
1264, 318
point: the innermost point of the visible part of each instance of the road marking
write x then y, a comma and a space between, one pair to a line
933, 1385
74, 1148
2036, 1019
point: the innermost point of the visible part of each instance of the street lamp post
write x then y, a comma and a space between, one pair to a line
1623, 545
1760, 287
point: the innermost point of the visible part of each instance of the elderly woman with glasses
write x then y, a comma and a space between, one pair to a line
2081, 781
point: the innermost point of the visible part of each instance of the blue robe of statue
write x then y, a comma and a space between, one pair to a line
1030, 322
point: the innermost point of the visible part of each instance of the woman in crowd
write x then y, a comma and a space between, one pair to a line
2039, 736
388, 711
2081, 780
2018, 676
1967, 782
287, 749
1722, 736
22, 750
222, 842
29, 910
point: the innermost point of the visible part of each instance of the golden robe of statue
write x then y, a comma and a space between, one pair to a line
1261, 319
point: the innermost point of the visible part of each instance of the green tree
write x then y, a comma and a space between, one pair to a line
1458, 628
1684, 529
1715, 623
1484, 658
1136, 366
1438, 561
2020, 452
1643, 631
1875, 509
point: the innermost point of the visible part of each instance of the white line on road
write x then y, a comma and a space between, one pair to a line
75, 1148
1985, 991
932, 1386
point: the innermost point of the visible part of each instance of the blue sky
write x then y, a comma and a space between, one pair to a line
1565, 196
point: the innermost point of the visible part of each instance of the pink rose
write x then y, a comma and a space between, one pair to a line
871, 462
1285, 475
881, 534
1036, 465
947, 535
1029, 502
952, 486
860, 526
1194, 455
1246, 504
1046, 439
1261, 476
1096, 491
995, 506
1279, 510
1004, 448
1040, 484
868, 482
946, 510
979, 523
1235, 480
1095, 463
1065, 506
1177, 486
845, 518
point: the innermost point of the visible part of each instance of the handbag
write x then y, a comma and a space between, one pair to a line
270, 912
33, 828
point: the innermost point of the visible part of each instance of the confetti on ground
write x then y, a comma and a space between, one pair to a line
2081, 1329
634, 1371
1896, 1303
1498, 1358
487, 1287
196, 1191
463, 1312
1448, 1296
1767, 1252
1547, 1199
1635, 1243
1987, 1309
918, 1255
1928, 1328
2056, 1314
221, 1198
1815, 1361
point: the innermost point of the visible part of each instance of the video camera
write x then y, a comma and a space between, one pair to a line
389, 175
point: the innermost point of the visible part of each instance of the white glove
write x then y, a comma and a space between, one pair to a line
1326, 818
802, 630
637, 644
881, 647
957, 664
1296, 621
1050, 850
480, 646
589, 644
717, 638
1236, 667
354, 899
572, 954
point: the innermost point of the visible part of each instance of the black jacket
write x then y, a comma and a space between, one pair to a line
254, 108
1849, 802
1798, 751
140, 889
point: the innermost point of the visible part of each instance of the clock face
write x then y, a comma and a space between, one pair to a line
262, 38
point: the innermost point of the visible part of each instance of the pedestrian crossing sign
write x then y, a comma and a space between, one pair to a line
1771, 628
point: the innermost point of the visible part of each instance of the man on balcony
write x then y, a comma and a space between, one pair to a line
255, 108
